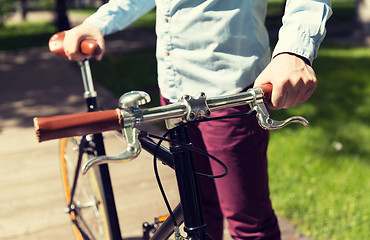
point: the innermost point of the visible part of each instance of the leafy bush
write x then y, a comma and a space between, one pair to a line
5, 7
44, 5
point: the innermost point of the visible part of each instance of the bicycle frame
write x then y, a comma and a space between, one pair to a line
178, 158
188, 187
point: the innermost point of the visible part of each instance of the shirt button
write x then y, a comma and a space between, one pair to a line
166, 19
168, 53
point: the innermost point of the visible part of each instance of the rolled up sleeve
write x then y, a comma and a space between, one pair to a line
118, 14
303, 27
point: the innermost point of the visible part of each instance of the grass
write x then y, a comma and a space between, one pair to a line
25, 35
83, 11
319, 175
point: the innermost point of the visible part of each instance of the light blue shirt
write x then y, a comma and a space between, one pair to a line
217, 46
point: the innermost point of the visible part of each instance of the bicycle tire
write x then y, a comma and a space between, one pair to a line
89, 209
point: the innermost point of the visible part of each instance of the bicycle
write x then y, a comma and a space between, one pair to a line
91, 157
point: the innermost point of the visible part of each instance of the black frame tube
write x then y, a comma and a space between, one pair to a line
187, 182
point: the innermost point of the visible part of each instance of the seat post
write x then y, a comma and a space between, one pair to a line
89, 91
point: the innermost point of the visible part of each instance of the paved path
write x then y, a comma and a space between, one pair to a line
35, 83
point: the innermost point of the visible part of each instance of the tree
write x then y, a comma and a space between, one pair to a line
62, 17
24, 9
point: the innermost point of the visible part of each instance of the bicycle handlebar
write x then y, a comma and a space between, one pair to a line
88, 47
131, 115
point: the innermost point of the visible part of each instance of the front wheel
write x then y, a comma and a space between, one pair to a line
86, 206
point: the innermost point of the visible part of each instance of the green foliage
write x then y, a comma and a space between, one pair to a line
343, 11
146, 21
275, 8
44, 5
5, 7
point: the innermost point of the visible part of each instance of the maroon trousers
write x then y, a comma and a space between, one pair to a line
242, 197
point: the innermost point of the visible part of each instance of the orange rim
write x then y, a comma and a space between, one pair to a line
67, 193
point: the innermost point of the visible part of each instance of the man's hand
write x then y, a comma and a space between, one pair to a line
292, 79
74, 37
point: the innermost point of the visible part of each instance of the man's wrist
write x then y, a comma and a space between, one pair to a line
305, 60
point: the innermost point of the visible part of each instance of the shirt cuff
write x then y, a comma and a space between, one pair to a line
306, 60
298, 42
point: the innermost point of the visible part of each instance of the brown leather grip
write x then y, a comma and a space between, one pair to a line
88, 46
48, 128
266, 91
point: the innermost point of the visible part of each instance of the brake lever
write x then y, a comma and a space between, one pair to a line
132, 151
268, 123
129, 102
263, 115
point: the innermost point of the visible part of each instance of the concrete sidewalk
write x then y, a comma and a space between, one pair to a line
36, 83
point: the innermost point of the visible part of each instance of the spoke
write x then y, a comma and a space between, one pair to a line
89, 204
85, 226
